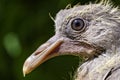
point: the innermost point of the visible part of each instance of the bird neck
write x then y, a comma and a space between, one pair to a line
99, 67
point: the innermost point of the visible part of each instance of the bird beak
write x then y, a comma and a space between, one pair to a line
43, 53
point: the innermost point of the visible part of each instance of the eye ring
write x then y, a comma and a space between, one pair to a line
78, 24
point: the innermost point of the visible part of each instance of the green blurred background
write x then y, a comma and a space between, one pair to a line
24, 25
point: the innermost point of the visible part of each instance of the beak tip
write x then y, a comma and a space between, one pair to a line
27, 68
24, 71
24, 74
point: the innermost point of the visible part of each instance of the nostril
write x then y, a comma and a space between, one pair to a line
37, 53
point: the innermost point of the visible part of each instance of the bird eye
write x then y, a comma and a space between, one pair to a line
78, 24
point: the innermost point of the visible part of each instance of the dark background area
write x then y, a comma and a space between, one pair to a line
25, 25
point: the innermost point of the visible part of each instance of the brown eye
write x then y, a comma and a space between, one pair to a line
78, 24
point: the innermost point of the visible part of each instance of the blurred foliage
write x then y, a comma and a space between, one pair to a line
24, 25
12, 45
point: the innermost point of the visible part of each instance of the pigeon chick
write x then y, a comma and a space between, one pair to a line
91, 31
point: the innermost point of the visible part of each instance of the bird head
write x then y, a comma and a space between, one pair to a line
86, 30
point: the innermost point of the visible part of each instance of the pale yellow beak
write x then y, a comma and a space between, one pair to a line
43, 53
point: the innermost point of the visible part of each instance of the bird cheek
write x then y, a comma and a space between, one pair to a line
76, 49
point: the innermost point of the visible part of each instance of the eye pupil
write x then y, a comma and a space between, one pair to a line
77, 24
